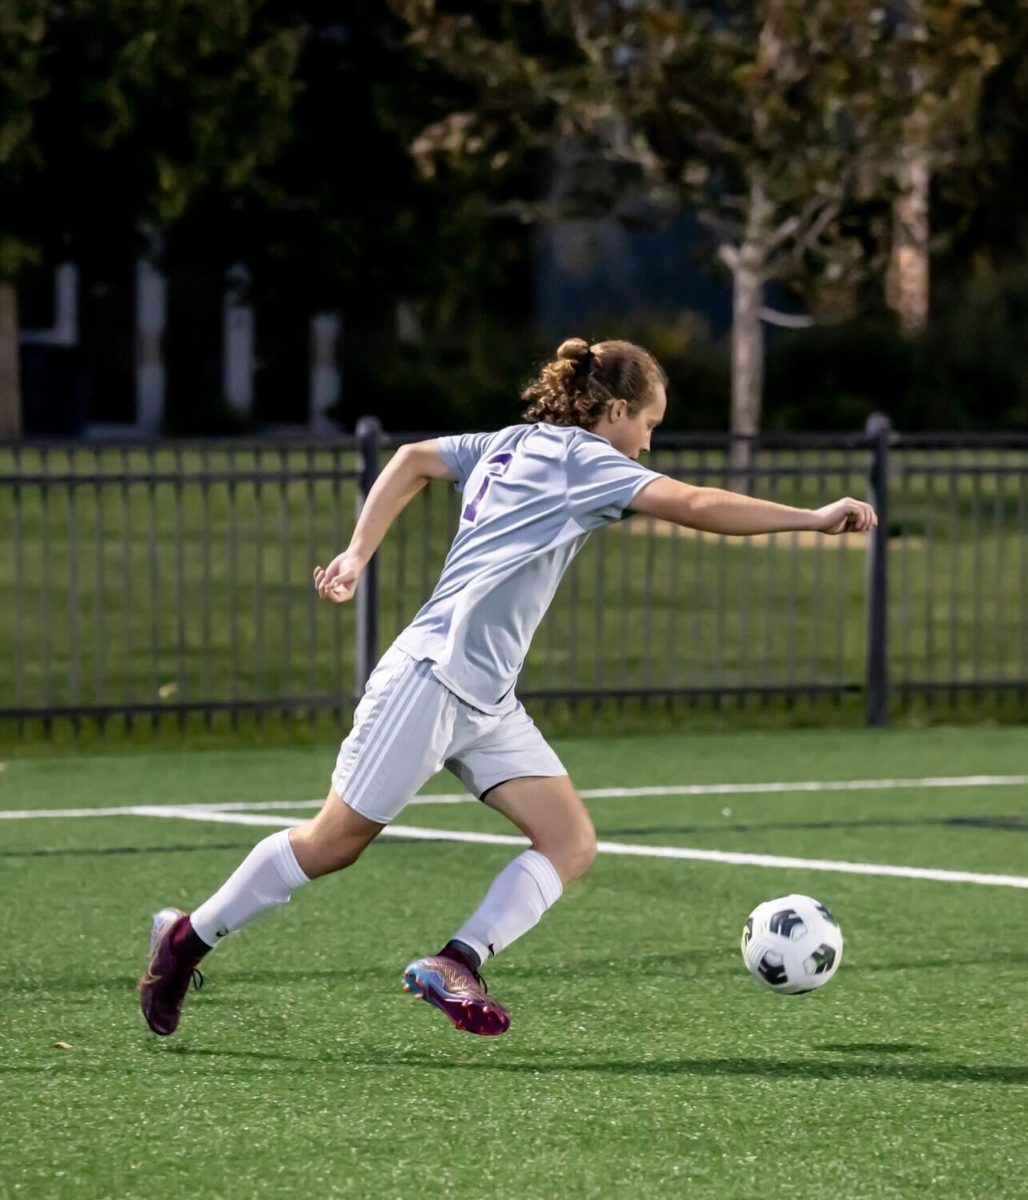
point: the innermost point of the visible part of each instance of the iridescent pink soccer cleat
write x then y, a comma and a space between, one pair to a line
458, 992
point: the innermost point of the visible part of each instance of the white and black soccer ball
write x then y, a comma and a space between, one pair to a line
792, 944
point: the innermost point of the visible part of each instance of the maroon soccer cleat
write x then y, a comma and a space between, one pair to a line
458, 992
162, 989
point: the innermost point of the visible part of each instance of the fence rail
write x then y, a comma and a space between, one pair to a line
153, 582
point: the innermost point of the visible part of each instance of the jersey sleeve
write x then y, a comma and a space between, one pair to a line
462, 451
602, 482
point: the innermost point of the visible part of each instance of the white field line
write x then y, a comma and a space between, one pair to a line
697, 789
620, 848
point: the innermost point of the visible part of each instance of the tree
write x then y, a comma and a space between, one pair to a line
933, 58
754, 116
789, 126
121, 117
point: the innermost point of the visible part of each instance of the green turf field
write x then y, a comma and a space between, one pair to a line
642, 1062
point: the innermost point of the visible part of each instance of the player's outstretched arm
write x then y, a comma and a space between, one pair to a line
407, 472
717, 511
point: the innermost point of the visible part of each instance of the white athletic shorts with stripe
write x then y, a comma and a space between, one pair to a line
408, 726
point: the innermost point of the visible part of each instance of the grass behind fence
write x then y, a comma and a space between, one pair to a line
122, 591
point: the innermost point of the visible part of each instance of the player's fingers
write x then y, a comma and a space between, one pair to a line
859, 518
323, 584
340, 593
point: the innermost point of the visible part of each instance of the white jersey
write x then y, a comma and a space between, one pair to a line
532, 494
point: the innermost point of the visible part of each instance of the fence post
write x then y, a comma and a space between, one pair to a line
369, 445
879, 430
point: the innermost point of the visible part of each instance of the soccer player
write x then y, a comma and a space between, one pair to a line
444, 692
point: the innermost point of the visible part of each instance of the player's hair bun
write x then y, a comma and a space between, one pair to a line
574, 350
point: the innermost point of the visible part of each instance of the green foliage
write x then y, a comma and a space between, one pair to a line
968, 370
22, 86
972, 368
344, 222
835, 376
761, 121
457, 379
22, 82
125, 116
781, 125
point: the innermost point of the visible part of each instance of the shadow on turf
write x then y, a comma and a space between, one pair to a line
875, 1047
760, 1068
695, 962
100, 851
1006, 824
704, 962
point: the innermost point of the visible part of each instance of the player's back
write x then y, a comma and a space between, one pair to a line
531, 495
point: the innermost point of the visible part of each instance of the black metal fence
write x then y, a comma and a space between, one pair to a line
152, 582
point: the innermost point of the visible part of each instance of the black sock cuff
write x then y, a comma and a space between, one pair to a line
462, 953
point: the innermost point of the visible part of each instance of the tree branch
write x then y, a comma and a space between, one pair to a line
786, 320
817, 226
729, 255
725, 231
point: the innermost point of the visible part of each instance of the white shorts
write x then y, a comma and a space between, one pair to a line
408, 726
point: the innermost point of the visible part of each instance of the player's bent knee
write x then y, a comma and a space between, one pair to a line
319, 855
585, 853
573, 857
335, 839
344, 854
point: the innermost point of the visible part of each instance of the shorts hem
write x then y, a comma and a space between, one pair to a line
359, 809
491, 787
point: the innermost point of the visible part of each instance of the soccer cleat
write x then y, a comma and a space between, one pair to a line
459, 993
161, 921
162, 989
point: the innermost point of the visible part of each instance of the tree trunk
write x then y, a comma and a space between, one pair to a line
10, 376
907, 278
747, 363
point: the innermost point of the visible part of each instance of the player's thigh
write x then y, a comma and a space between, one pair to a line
401, 735
550, 812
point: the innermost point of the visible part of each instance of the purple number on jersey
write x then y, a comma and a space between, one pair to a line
496, 467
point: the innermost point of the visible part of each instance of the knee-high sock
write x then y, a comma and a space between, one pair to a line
267, 877
519, 896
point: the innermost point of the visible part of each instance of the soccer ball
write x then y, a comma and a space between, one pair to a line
792, 944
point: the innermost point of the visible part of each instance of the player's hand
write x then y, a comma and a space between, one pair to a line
338, 581
845, 516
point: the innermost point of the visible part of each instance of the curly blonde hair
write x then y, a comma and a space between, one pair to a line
576, 387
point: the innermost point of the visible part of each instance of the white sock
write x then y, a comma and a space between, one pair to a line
519, 896
267, 877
